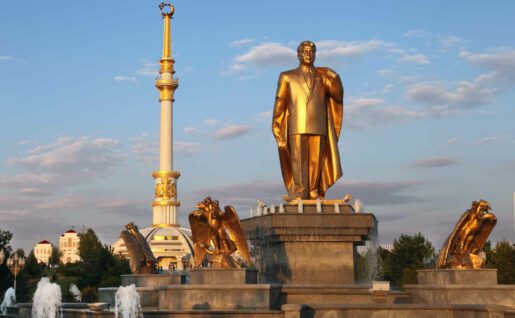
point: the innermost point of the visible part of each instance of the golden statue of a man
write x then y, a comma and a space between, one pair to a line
307, 122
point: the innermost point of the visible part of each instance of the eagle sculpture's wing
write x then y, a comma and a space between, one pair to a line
200, 233
145, 248
452, 240
233, 226
133, 249
487, 226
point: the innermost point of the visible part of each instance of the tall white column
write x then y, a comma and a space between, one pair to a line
166, 148
165, 205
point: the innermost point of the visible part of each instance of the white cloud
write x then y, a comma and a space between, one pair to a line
148, 69
371, 112
211, 122
232, 131
71, 158
266, 55
417, 33
385, 72
329, 49
6, 58
462, 96
121, 78
146, 147
265, 116
436, 99
387, 88
262, 55
50, 185
450, 41
242, 42
436, 162
444, 41
190, 130
452, 141
46, 217
187, 148
415, 58
367, 102
500, 60
21, 180
491, 139
34, 191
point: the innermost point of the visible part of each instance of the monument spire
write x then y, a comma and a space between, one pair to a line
165, 205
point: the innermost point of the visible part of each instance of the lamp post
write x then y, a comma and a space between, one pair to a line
15, 264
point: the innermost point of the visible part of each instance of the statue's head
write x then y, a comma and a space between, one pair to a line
306, 53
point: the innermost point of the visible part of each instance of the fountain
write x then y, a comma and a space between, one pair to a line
372, 257
9, 300
77, 295
127, 302
47, 300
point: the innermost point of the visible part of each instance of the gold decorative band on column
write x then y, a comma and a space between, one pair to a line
165, 225
166, 88
166, 203
166, 186
166, 174
166, 65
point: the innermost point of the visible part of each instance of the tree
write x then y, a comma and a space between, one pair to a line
5, 238
89, 246
55, 257
502, 257
409, 253
5, 275
383, 256
99, 267
28, 278
32, 267
20, 252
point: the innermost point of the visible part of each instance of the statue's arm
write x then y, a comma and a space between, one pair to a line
335, 86
280, 111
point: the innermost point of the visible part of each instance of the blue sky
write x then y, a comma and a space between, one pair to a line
428, 109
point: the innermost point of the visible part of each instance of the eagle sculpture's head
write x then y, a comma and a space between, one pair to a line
132, 228
204, 205
209, 205
480, 207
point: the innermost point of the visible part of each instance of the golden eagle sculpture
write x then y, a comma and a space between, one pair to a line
142, 259
463, 247
223, 229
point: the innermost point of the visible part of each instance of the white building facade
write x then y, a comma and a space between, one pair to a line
43, 251
69, 246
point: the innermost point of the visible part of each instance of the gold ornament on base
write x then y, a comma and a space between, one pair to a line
463, 247
223, 229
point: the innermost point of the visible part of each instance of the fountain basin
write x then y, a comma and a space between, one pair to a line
153, 280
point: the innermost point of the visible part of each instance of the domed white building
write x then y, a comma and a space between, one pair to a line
168, 243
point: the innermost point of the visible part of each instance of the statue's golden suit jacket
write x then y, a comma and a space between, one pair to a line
318, 110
